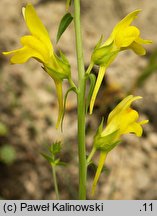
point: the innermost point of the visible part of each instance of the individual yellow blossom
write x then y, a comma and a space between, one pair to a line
38, 45
122, 120
124, 36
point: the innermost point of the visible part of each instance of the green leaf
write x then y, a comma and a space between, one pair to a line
48, 158
64, 23
92, 85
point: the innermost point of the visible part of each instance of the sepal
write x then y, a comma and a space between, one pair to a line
60, 69
104, 55
105, 143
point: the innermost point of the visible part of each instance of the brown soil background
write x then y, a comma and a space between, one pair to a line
28, 106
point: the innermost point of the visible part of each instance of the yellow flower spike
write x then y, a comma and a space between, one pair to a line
97, 86
38, 45
122, 120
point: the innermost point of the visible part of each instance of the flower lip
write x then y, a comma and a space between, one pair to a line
122, 119
35, 26
126, 36
36, 45
123, 105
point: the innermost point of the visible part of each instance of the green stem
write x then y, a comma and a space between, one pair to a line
89, 68
81, 103
91, 155
55, 181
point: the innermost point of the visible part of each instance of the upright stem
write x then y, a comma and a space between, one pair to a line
81, 103
55, 182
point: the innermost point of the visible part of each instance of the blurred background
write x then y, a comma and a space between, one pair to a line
28, 106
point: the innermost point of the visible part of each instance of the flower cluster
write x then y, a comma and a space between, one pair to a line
38, 46
123, 37
122, 120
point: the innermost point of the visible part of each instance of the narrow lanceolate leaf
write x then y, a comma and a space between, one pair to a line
64, 23
48, 158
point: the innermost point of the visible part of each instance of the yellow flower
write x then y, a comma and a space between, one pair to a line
124, 36
121, 120
38, 45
